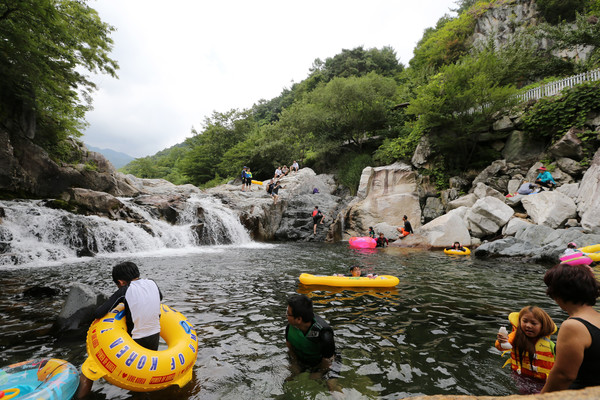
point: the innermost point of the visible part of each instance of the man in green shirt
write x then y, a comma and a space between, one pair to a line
308, 336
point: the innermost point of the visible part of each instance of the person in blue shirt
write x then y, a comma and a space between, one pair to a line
545, 178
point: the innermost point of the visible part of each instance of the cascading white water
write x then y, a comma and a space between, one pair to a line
31, 233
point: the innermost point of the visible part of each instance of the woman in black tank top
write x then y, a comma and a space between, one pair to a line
575, 290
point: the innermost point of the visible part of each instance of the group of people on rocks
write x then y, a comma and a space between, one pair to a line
282, 171
246, 176
543, 180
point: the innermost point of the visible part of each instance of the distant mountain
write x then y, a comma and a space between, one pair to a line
117, 158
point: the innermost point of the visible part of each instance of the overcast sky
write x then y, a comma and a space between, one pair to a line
181, 60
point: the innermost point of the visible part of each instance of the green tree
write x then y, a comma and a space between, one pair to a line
348, 110
45, 46
222, 132
457, 105
555, 11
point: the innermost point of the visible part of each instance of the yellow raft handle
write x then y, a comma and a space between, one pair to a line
91, 370
14, 392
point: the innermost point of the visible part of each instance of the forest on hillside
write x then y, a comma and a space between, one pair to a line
357, 108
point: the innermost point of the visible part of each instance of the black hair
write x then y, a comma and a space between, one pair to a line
405, 217
352, 268
301, 306
125, 271
572, 283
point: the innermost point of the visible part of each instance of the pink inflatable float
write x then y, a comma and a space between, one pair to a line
362, 242
576, 259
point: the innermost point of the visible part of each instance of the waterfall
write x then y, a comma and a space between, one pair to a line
31, 233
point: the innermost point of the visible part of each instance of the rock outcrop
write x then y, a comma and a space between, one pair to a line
26, 170
385, 194
588, 200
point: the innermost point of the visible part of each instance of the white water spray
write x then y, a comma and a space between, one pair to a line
31, 233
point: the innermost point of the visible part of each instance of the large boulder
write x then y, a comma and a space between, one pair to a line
515, 225
570, 166
464, 201
441, 232
91, 202
551, 209
482, 190
388, 192
520, 146
433, 209
588, 199
78, 311
422, 152
569, 189
487, 216
568, 146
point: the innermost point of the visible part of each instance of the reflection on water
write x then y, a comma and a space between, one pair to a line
432, 334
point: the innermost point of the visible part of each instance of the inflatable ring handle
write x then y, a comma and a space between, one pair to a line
14, 393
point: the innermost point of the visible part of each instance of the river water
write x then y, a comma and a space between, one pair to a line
432, 334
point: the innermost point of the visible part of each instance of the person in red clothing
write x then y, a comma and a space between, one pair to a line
317, 217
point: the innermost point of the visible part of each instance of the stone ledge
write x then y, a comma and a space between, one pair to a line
591, 393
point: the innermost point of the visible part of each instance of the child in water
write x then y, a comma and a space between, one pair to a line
571, 249
532, 353
356, 272
456, 246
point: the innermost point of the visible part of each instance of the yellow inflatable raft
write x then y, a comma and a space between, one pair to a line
458, 252
592, 252
349, 281
114, 356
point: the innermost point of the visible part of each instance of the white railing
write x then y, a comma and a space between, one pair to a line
554, 88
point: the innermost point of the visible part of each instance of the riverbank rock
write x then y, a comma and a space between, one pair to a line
552, 209
441, 232
487, 216
588, 199
290, 218
78, 311
386, 195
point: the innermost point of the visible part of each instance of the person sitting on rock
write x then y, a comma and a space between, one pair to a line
545, 178
527, 188
406, 229
295, 166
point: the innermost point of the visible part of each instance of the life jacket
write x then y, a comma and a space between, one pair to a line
543, 359
308, 347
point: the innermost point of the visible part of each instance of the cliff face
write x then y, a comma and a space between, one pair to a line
26, 170
501, 23
506, 21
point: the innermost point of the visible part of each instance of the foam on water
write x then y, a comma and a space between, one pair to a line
35, 235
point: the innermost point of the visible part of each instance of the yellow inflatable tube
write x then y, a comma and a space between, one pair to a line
592, 252
114, 356
349, 281
458, 252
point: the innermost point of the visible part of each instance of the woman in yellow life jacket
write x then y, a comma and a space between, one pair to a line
532, 351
